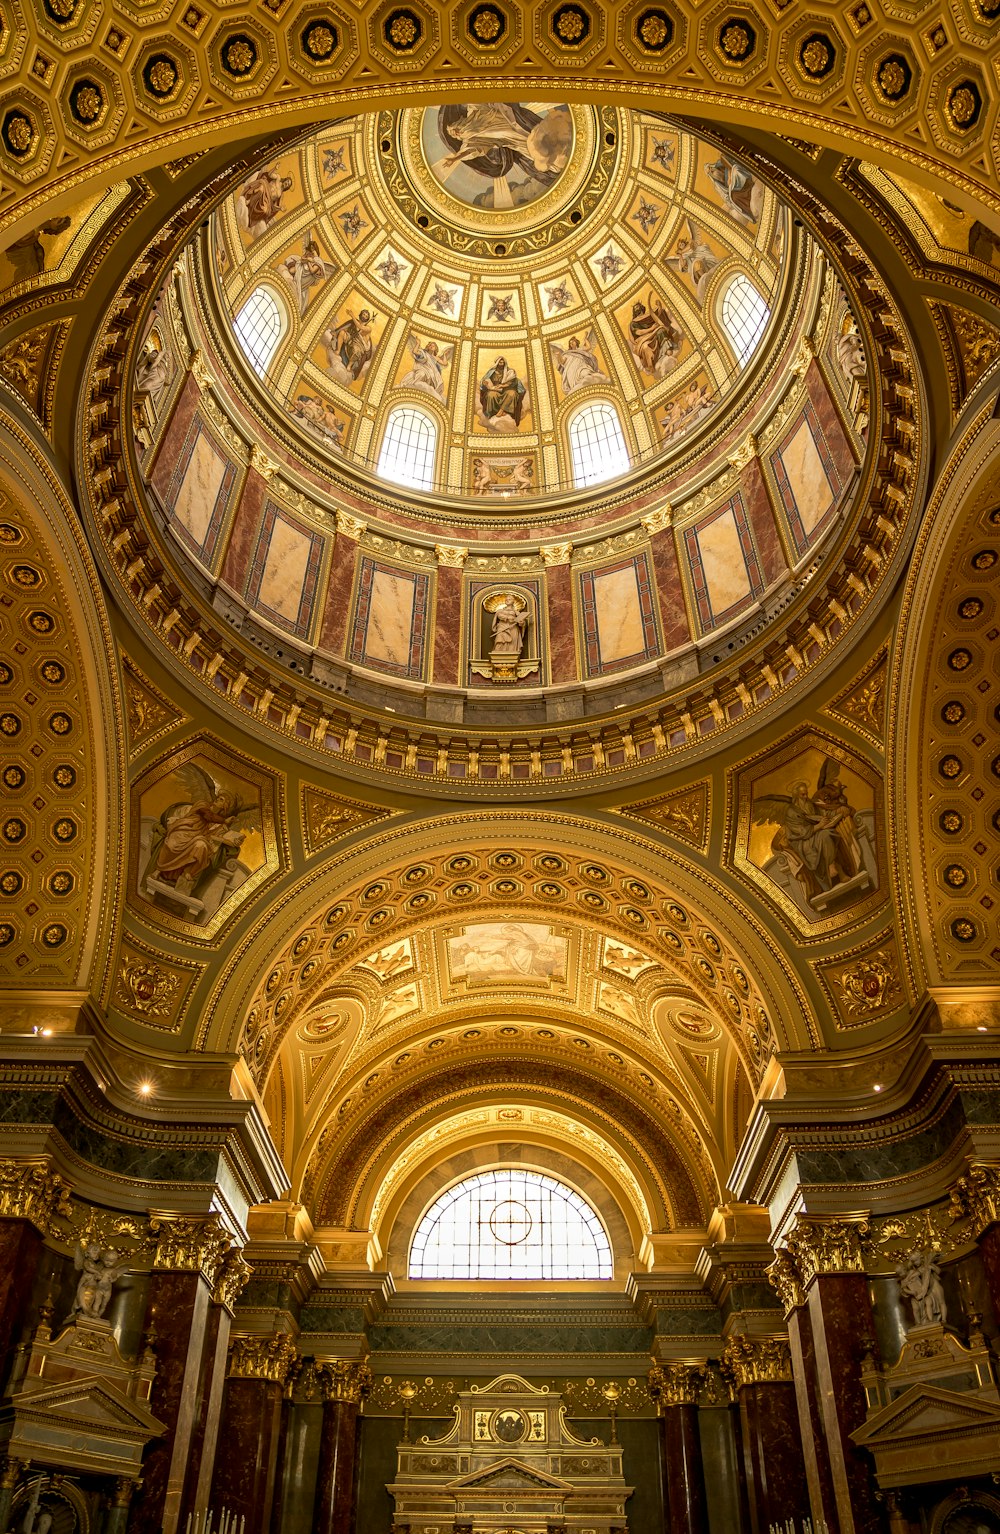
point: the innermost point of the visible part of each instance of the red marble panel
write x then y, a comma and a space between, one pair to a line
245, 1472
826, 410
177, 1307
673, 614
761, 514
198, 1480
333, 1511
447, 625
333, 634
244, 531
562, 642
20, 1249
843, 1330
775, 1469
173, 438
814, 1447
687, 1504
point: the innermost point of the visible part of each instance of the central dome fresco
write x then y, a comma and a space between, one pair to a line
434, 297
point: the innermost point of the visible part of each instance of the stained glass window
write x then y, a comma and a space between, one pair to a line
407, 453
597, 444
258, 327
510, 1224
744, 315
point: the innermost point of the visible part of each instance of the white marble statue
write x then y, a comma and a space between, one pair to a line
99, 1269
920, 1282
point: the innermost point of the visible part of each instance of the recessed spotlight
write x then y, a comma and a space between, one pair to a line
876, 1088
981, 1028
145, 1088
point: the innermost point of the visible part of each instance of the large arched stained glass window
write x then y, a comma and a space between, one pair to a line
597, 444
744, 315
407, 453
510, 1224
258, 327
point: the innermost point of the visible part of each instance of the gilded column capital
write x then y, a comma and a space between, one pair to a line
450, 555
31, 1190
675, 1384
199, 369
342, 1379
975, 1198
785, 1279
556, 554
820, 1246
756, 1361
262, 1358
351, 527
659, 520
266, 467
231, 1279
187, 1244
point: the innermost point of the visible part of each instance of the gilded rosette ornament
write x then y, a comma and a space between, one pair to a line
32, 1191
262, 1358
186, 1245
675, 1384
231, 1279
341, 1379
822, 1246
785, 1279
756, 1361
976, 1197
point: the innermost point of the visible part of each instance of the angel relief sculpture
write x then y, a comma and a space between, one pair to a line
823, 852
201, 846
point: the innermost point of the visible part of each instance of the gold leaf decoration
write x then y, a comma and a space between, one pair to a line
684, 813
863, 701
149, 713
972, 348
326, 817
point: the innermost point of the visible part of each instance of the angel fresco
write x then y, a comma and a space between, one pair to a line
577, 362
350, 346
823, 850
694, 258
306, 272
518, 152
260, 200
192, 849
740, 193
429, 363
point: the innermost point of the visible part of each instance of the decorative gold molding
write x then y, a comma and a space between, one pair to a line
756, 1361
262, 1358
675, 1384
231, 1279
659, 520
450, 556
556, 554
976, 1197
33, 1191
190, 1245
785, 1279
343, 1380
819, 1247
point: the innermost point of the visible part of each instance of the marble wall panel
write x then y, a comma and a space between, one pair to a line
676, 629
619, 620
809, 472
724, 567
562, 633
333, 633
174, 433
199, 491
243, 530
283, 576
389, 630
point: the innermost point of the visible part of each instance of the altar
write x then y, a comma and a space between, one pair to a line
510, 1464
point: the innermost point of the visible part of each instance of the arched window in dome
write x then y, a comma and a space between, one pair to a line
597, 443
744, 316
510, 1224
259, 326
406, 456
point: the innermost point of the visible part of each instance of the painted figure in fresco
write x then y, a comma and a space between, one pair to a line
27, 255
611, 264
502, 397
693, 258
817, 835
353, 223
389, 270
739, 190
646, 215
196, 838
496, 950
560, 297
350, 347
319, 420
508, 1426
577, 363
664, 151
429, 362
260, 201
492, 139
683, 413
654, 337
305, 272
333, 162
442, 300
501, 307
920, 1282
510, 623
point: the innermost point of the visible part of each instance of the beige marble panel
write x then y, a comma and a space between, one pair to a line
807, 477
619, 617
390, 618
722, 560
199, 489
285, 570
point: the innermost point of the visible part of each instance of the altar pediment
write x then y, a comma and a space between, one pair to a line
48, 1425
89, 1400
929, 1434
510, 1475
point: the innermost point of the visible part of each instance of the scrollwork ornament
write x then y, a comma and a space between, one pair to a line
342, 1379
262, 1358
756, 1361
785, 1279
452, 556
32, 1191
232, 1278
975, 1198
675, 1384
190, 1245
824, 1246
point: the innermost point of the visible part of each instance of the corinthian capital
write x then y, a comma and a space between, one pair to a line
187, 1245
756, 1361
231, 1279
821, 1246
785, 1279
341, 1379
262, 1358
976, 1197
675, 1384
30, 1190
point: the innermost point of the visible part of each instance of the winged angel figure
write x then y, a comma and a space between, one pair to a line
820, 842
577, 362
193, 851
429, 363
694, 258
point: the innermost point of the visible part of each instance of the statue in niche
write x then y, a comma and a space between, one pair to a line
510, 621
920, 1282
99, 1269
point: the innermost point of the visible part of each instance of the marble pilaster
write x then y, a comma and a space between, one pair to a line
760, 1371
344, 1385
675, 1388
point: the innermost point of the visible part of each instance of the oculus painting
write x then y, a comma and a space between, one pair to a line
495, 155
508, 951
205, 836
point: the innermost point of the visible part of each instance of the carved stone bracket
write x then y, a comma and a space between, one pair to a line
262, 1358
190, 1245
756, 1361
675, 1384
976, 1197
231, 1279
343, 1380
30, 1190
785, 1279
